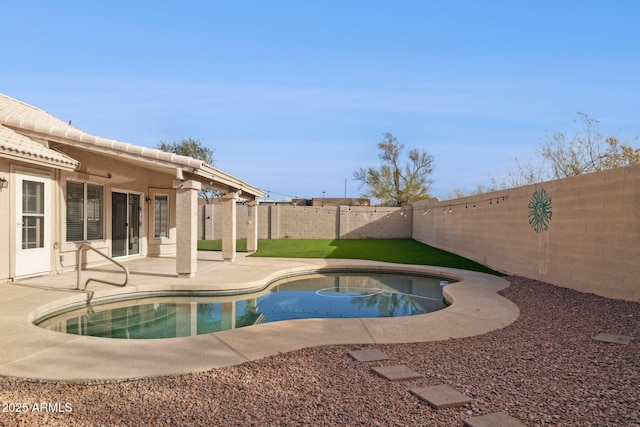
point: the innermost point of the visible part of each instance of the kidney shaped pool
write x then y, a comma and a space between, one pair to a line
331, 295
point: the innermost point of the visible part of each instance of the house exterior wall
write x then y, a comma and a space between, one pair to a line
42, 156
311, 222
10, 170
113, 175
592, 243
119, 176
5, 221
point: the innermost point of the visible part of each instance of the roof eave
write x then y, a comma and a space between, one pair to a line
210, 173
76, 137
15, 155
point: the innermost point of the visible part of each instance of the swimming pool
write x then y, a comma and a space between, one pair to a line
329, 295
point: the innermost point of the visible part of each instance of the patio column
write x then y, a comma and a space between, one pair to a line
186, 227
252, 226
229, 226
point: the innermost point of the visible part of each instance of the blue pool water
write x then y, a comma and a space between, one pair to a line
320, 296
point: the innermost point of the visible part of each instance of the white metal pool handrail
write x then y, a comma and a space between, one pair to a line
79, 268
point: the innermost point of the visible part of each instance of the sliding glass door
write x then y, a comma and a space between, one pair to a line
125, 224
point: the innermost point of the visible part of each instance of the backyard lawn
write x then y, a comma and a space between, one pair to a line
403, 251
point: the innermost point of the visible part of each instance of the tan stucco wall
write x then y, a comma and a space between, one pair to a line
311, 222
114, 175
8, 211
592, 243
118, 175
5, 241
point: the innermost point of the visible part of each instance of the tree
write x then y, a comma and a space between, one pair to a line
192, 148
393, 184
522, 174
188, 147
480, 189
559, 157
588, 151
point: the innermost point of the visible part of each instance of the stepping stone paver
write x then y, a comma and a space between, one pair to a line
396, 373
617, 339
441, 396
368, 355
497, 419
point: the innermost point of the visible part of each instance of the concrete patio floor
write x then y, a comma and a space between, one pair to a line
32, 352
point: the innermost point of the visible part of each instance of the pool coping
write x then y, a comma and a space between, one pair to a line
33, 352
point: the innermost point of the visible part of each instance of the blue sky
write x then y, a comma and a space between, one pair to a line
294, 95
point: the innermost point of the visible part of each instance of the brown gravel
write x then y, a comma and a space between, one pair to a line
543, 370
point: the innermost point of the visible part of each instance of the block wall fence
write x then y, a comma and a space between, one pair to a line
581, 232
311, 222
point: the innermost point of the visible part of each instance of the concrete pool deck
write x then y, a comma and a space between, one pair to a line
33, 352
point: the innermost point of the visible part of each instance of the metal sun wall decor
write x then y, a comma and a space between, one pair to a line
540, 210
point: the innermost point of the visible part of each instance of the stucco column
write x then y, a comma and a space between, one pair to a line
229, 226
186, 227
252, 226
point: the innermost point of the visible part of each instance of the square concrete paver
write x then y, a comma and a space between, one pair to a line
498, 419
617, 339
368, 355
441, 396
396, 373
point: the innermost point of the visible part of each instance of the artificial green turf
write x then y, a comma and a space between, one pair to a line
216, 245
403, 251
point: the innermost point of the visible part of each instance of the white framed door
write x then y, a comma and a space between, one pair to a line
33, 225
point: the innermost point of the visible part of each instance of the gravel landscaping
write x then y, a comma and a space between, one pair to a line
545, 369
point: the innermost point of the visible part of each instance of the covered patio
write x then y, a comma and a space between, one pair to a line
67, 190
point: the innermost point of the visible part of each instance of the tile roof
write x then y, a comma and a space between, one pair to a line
20, 147
17, 115
17, 146
10, 107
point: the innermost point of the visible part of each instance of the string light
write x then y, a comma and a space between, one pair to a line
329, 207
449, 206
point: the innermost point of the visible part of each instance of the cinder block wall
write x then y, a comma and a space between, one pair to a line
311, 222
210, 221
591, 243
378, 222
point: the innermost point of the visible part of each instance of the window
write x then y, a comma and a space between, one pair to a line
32, 214
161, 216
85, 211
